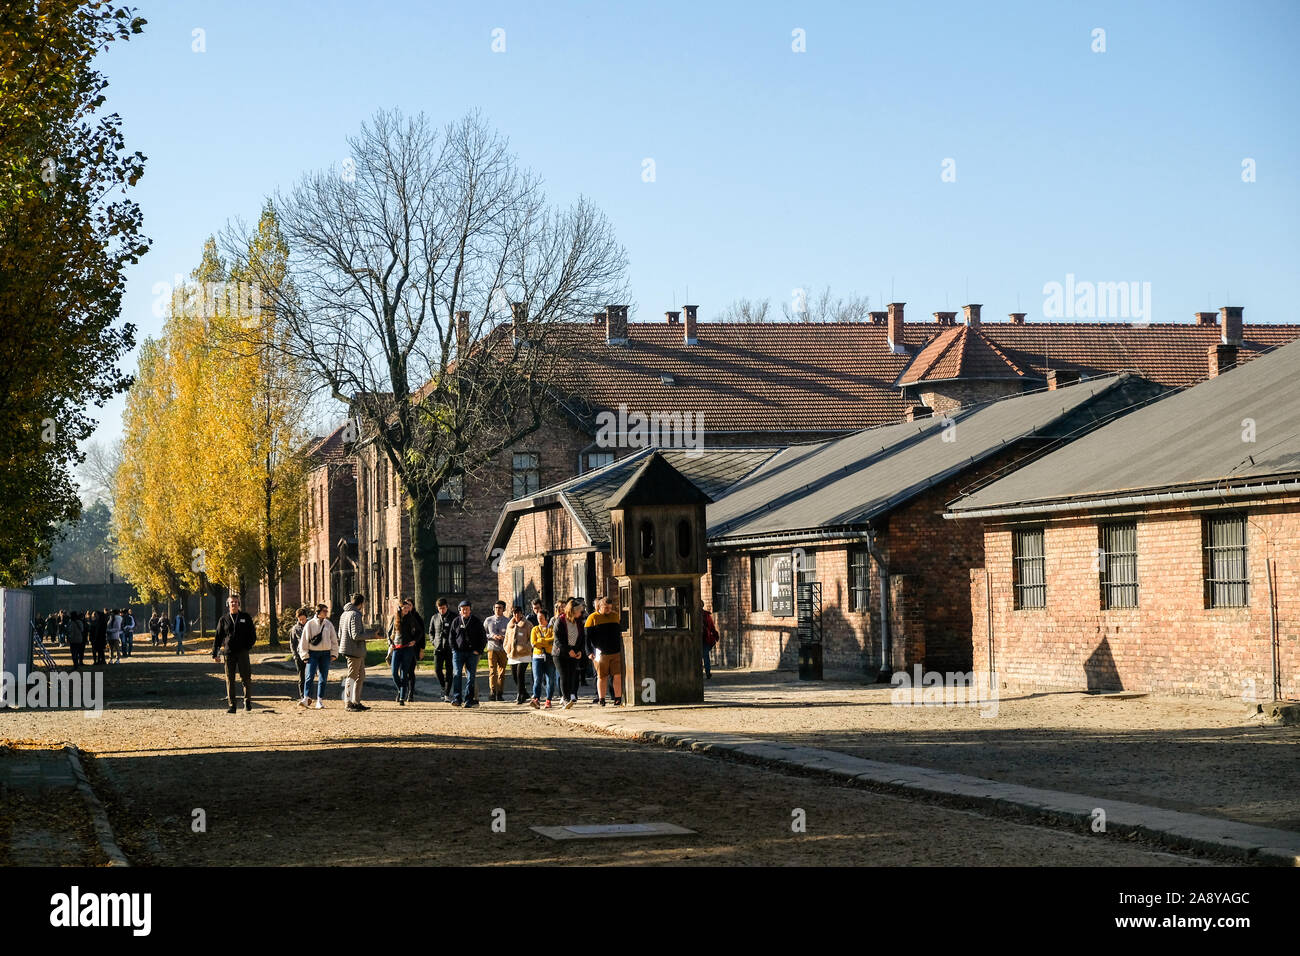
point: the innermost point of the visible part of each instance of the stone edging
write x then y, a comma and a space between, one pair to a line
103, 830
1175, 829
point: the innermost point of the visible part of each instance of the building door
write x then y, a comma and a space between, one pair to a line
548, 582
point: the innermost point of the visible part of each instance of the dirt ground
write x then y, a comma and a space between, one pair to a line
423, 784
1202, 755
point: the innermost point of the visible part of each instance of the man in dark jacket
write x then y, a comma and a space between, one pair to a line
299, 658
99, 636
468, 639
440, 626
236, 636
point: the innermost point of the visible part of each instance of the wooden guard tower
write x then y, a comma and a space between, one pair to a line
658, 530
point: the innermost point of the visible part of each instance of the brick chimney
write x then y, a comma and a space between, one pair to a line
946, 318
1061, 377
877, 318
616, 324
1231, 325
1222, 357
462, 333
1018, 318
1207, 318
691, 315
674, 318
895, 333
972, 315
518, 319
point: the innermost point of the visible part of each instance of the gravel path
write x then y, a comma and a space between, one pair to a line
424, 784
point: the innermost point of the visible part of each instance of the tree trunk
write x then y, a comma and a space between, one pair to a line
424, 555
272, 567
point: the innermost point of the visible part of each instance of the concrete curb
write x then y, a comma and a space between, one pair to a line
1175, 829
103, 830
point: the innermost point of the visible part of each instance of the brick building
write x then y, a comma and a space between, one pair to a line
328, 572
1156, 554
755, 384
860, 517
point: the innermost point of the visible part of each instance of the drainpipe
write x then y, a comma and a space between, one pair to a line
1273, 651
886, 672
988, 606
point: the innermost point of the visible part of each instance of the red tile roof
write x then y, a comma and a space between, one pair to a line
1170, 353
823, 377
960, 352
330, 448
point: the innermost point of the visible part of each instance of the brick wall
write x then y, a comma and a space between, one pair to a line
945, 397
757, 639
1171, 643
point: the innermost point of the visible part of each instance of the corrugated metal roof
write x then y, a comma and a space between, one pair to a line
1193, 437
849, 481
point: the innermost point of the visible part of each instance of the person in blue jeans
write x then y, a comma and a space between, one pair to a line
128, 633
468, 639
407, 641
542, 638
321, 643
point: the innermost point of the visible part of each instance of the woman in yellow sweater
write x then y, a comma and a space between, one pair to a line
543, 637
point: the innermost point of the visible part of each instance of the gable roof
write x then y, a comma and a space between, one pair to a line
960, 352
1171, 353
848, 482
586, 497
1192, 439
331, 448
656, 482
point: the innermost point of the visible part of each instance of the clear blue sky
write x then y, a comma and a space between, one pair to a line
774, 169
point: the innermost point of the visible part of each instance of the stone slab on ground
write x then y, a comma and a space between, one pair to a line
612, 831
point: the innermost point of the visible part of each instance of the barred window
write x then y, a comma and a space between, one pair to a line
665, 608
517, 580
1028, 569
1118, 565
451, 570
526, 474
1226, 582
859, 579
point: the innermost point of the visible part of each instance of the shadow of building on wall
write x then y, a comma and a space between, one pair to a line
1100, 670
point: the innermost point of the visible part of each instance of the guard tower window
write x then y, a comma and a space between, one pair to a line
647, 539
683, 539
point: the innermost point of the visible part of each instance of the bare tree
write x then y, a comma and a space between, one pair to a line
98, 472
432, 288
745, 310
825, 307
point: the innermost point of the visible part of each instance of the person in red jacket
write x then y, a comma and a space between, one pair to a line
710, 638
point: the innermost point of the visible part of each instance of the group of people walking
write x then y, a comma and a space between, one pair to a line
109, 633
558, 645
